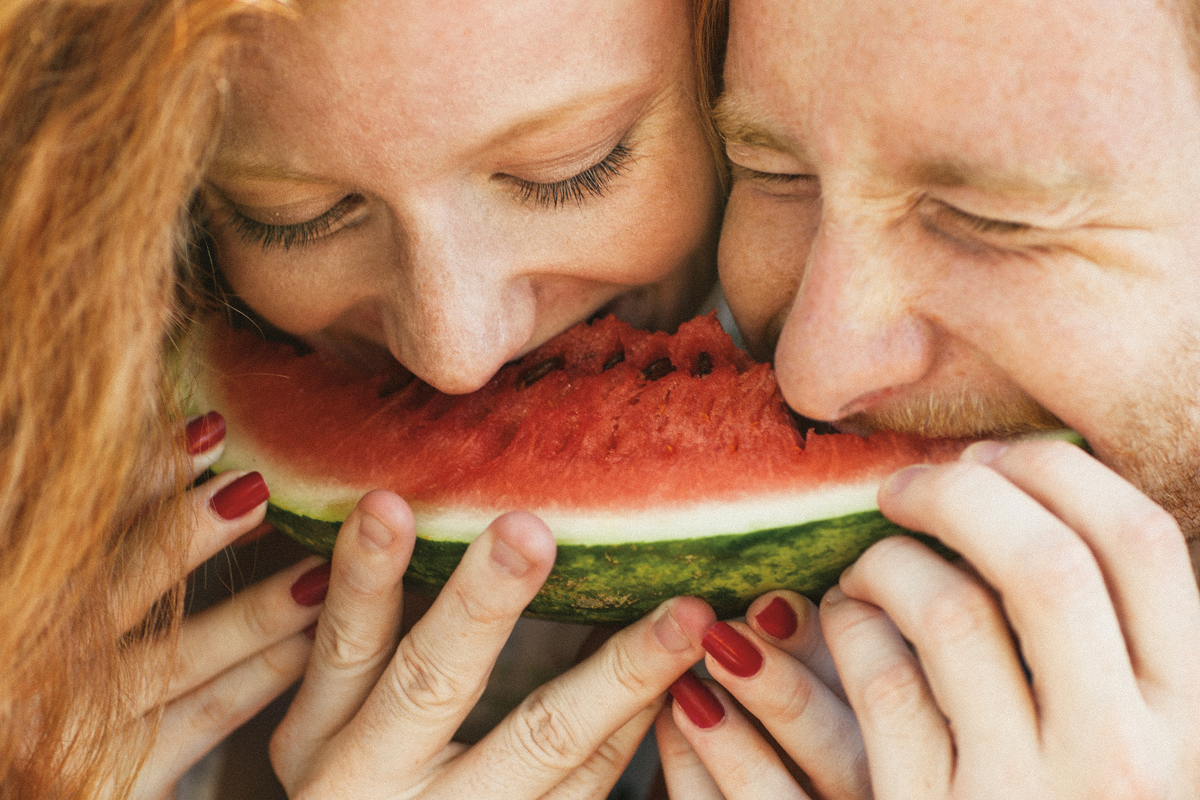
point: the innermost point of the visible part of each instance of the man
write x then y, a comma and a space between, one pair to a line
969, 217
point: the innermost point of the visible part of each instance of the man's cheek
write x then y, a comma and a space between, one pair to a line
762, 254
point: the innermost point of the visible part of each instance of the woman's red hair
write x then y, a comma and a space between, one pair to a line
109, 109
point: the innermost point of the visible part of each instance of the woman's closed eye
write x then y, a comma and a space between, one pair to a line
592, 182
271, 236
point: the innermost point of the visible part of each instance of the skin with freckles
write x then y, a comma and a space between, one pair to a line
963, 217
451, 184
935, 227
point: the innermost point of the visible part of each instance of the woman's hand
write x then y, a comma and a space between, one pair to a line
231, 659
375, 716
779, 668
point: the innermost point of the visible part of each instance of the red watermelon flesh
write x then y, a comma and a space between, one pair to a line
664, 464
579, 423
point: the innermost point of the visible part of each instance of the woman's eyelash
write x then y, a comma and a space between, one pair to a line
592, 182
270, 236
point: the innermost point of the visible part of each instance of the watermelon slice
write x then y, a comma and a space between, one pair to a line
664, 465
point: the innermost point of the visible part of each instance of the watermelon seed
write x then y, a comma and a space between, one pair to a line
658, 369
396, 383
541, 370
704, 364
614, 359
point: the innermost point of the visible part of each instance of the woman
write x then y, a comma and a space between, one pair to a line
448, 186
111, 112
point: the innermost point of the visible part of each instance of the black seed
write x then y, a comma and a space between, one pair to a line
540, 370
614, 359
396, 383
658, 369
704, 364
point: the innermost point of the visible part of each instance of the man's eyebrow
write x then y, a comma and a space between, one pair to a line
1005, 179
738, 124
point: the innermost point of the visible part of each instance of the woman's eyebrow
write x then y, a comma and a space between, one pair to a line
247, 168
612, 99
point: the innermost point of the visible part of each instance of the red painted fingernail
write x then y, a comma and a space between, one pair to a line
205, 432
310, 588
778, 619
311, 632
732, 650
240, 497
697, 701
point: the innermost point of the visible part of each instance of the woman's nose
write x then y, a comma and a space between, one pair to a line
852, 334
460, 306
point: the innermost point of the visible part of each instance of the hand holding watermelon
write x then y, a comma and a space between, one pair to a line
1057, 673
233, 657
380, 717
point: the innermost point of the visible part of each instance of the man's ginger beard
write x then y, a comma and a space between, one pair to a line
1155, 445
965, 414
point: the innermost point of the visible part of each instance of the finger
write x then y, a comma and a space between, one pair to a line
812, 724
741, 762
790, 622
560, 725
213, 516
1050, 585
196, 722
442, 665
603, 768
230, 632
909, 749
358, 630
204, 438
683, 771
1138, 545
959, 630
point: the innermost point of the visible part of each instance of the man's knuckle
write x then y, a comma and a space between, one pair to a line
1057, 567
545, 735
958, 613
423, 682
347, 649
897, 689
623, 671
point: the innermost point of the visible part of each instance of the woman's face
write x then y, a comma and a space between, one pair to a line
452, 182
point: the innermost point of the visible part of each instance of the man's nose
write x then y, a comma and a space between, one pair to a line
852, 335
462, 306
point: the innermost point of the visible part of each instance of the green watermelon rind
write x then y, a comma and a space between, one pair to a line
591, 583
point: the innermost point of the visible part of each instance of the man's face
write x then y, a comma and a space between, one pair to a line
973, 216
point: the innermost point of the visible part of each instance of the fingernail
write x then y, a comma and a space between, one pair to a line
205, 432
901, 479
697, 701
507, 559
240, 497
669, 635
254, 534
374, 534
778, 619
984, 452
311, 587
732, 650
833, 596
311, 632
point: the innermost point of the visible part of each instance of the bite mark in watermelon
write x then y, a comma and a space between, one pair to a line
664, 465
